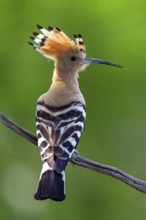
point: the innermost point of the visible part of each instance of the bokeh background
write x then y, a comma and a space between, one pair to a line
116, 107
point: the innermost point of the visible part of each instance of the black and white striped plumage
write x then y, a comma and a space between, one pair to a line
58, 131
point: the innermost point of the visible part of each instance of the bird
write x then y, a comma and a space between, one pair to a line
61, 111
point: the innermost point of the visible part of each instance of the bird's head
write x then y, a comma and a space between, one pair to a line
56, 45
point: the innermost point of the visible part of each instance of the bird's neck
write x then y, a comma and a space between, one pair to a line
64, 88
65, 75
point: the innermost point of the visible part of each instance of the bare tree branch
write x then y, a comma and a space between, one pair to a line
81, 161
17, 129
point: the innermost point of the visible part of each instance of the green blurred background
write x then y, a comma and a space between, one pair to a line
116, 107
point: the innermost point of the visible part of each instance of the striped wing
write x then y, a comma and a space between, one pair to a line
58, 131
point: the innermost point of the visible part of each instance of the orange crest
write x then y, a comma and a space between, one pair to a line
53, 42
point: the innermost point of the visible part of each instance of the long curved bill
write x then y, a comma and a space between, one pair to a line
98, 61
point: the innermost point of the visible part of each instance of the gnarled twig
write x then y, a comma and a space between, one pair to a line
81, 161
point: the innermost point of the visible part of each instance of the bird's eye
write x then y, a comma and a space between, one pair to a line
73, 58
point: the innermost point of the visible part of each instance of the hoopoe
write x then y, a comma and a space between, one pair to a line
61, 111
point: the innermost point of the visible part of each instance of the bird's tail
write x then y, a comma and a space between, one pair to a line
51, 185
